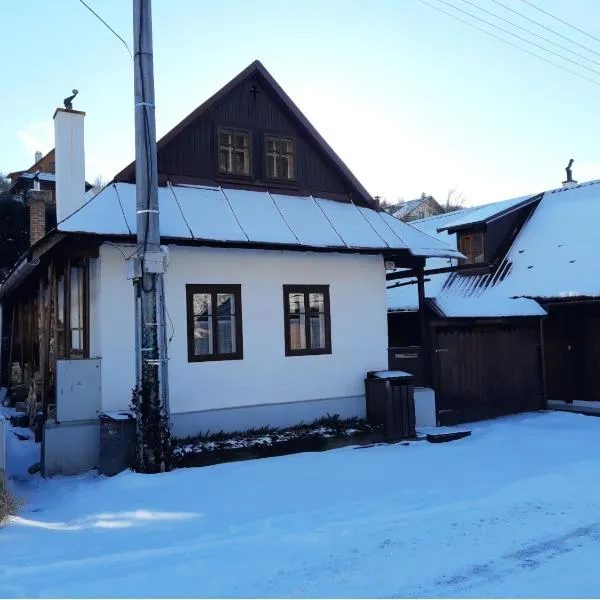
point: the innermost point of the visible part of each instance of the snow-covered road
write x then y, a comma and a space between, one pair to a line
514, 510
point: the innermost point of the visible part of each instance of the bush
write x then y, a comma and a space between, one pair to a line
8, 503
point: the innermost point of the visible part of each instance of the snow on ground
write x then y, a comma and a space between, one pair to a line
513, 510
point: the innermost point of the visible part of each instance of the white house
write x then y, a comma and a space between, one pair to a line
275, 285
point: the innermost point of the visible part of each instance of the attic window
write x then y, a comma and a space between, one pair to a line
279, 157
471, 245
234, 152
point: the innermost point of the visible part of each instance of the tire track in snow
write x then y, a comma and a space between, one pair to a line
529, 557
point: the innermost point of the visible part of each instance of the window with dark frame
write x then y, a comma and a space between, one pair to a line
471, 245
279, 158
71, 306
214, 317
307, 320
234, 151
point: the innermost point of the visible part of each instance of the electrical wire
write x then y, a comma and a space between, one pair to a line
560, 35
509, 43
108, 26
466, 12
537, 35
560, 20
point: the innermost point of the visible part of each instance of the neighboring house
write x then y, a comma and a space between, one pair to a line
34, 190
489, 353
275, 286
421, 208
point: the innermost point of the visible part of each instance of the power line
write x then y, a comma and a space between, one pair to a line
108, 26
537, 35
510, 43
466, 12
560, 20
564, 37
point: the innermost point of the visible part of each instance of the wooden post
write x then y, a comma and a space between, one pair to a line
543, 361
425, 341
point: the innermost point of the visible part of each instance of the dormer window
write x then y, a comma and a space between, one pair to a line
471, 245
279, 157
234, 152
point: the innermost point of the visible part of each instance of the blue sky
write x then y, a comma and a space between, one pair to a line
411, 99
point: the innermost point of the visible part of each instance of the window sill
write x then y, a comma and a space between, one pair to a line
215, 358
308, 352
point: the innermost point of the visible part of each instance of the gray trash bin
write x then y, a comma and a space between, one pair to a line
391, 403
117, 442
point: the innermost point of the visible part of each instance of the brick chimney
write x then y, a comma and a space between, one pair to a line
37, 200
69, 161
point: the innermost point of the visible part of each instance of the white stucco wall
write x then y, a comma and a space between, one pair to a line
265, 375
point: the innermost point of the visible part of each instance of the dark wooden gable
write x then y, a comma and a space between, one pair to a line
255, 103
499, 230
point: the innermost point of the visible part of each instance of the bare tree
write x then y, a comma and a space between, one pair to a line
455, 200
98, 184
4, 183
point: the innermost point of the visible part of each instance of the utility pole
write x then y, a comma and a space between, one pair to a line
153, 448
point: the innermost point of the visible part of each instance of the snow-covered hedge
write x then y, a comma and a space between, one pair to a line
217, 447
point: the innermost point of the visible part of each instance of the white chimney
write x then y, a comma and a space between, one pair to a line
38, 156
69, 161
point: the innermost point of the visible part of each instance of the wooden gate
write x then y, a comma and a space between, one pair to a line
572, 342
484, 371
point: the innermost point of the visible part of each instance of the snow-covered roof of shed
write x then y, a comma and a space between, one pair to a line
480, 214
243, 216
404, 298
553, 257
494, 306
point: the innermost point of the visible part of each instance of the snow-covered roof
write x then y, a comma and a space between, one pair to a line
406, 207
38, 175
495, 306
554, 256
243, 216
404, 298
480, 214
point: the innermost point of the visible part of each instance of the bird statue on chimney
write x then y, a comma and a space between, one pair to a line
68, 102
569, 171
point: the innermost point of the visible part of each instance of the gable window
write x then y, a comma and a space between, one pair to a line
471, 245
234, 152
279, 157
307, 320
214, 318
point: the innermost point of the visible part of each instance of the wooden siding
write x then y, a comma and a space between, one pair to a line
193, 152
486, 371
572, 349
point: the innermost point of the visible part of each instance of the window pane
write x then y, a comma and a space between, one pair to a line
270, 166
241, 141
223, 160
76, 340
203, 330
296, 301
76, 288
297, 332
290, 166
317, 330
225, 139
317, 303
226, 341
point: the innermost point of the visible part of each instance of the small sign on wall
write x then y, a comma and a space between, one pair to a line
390, 265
